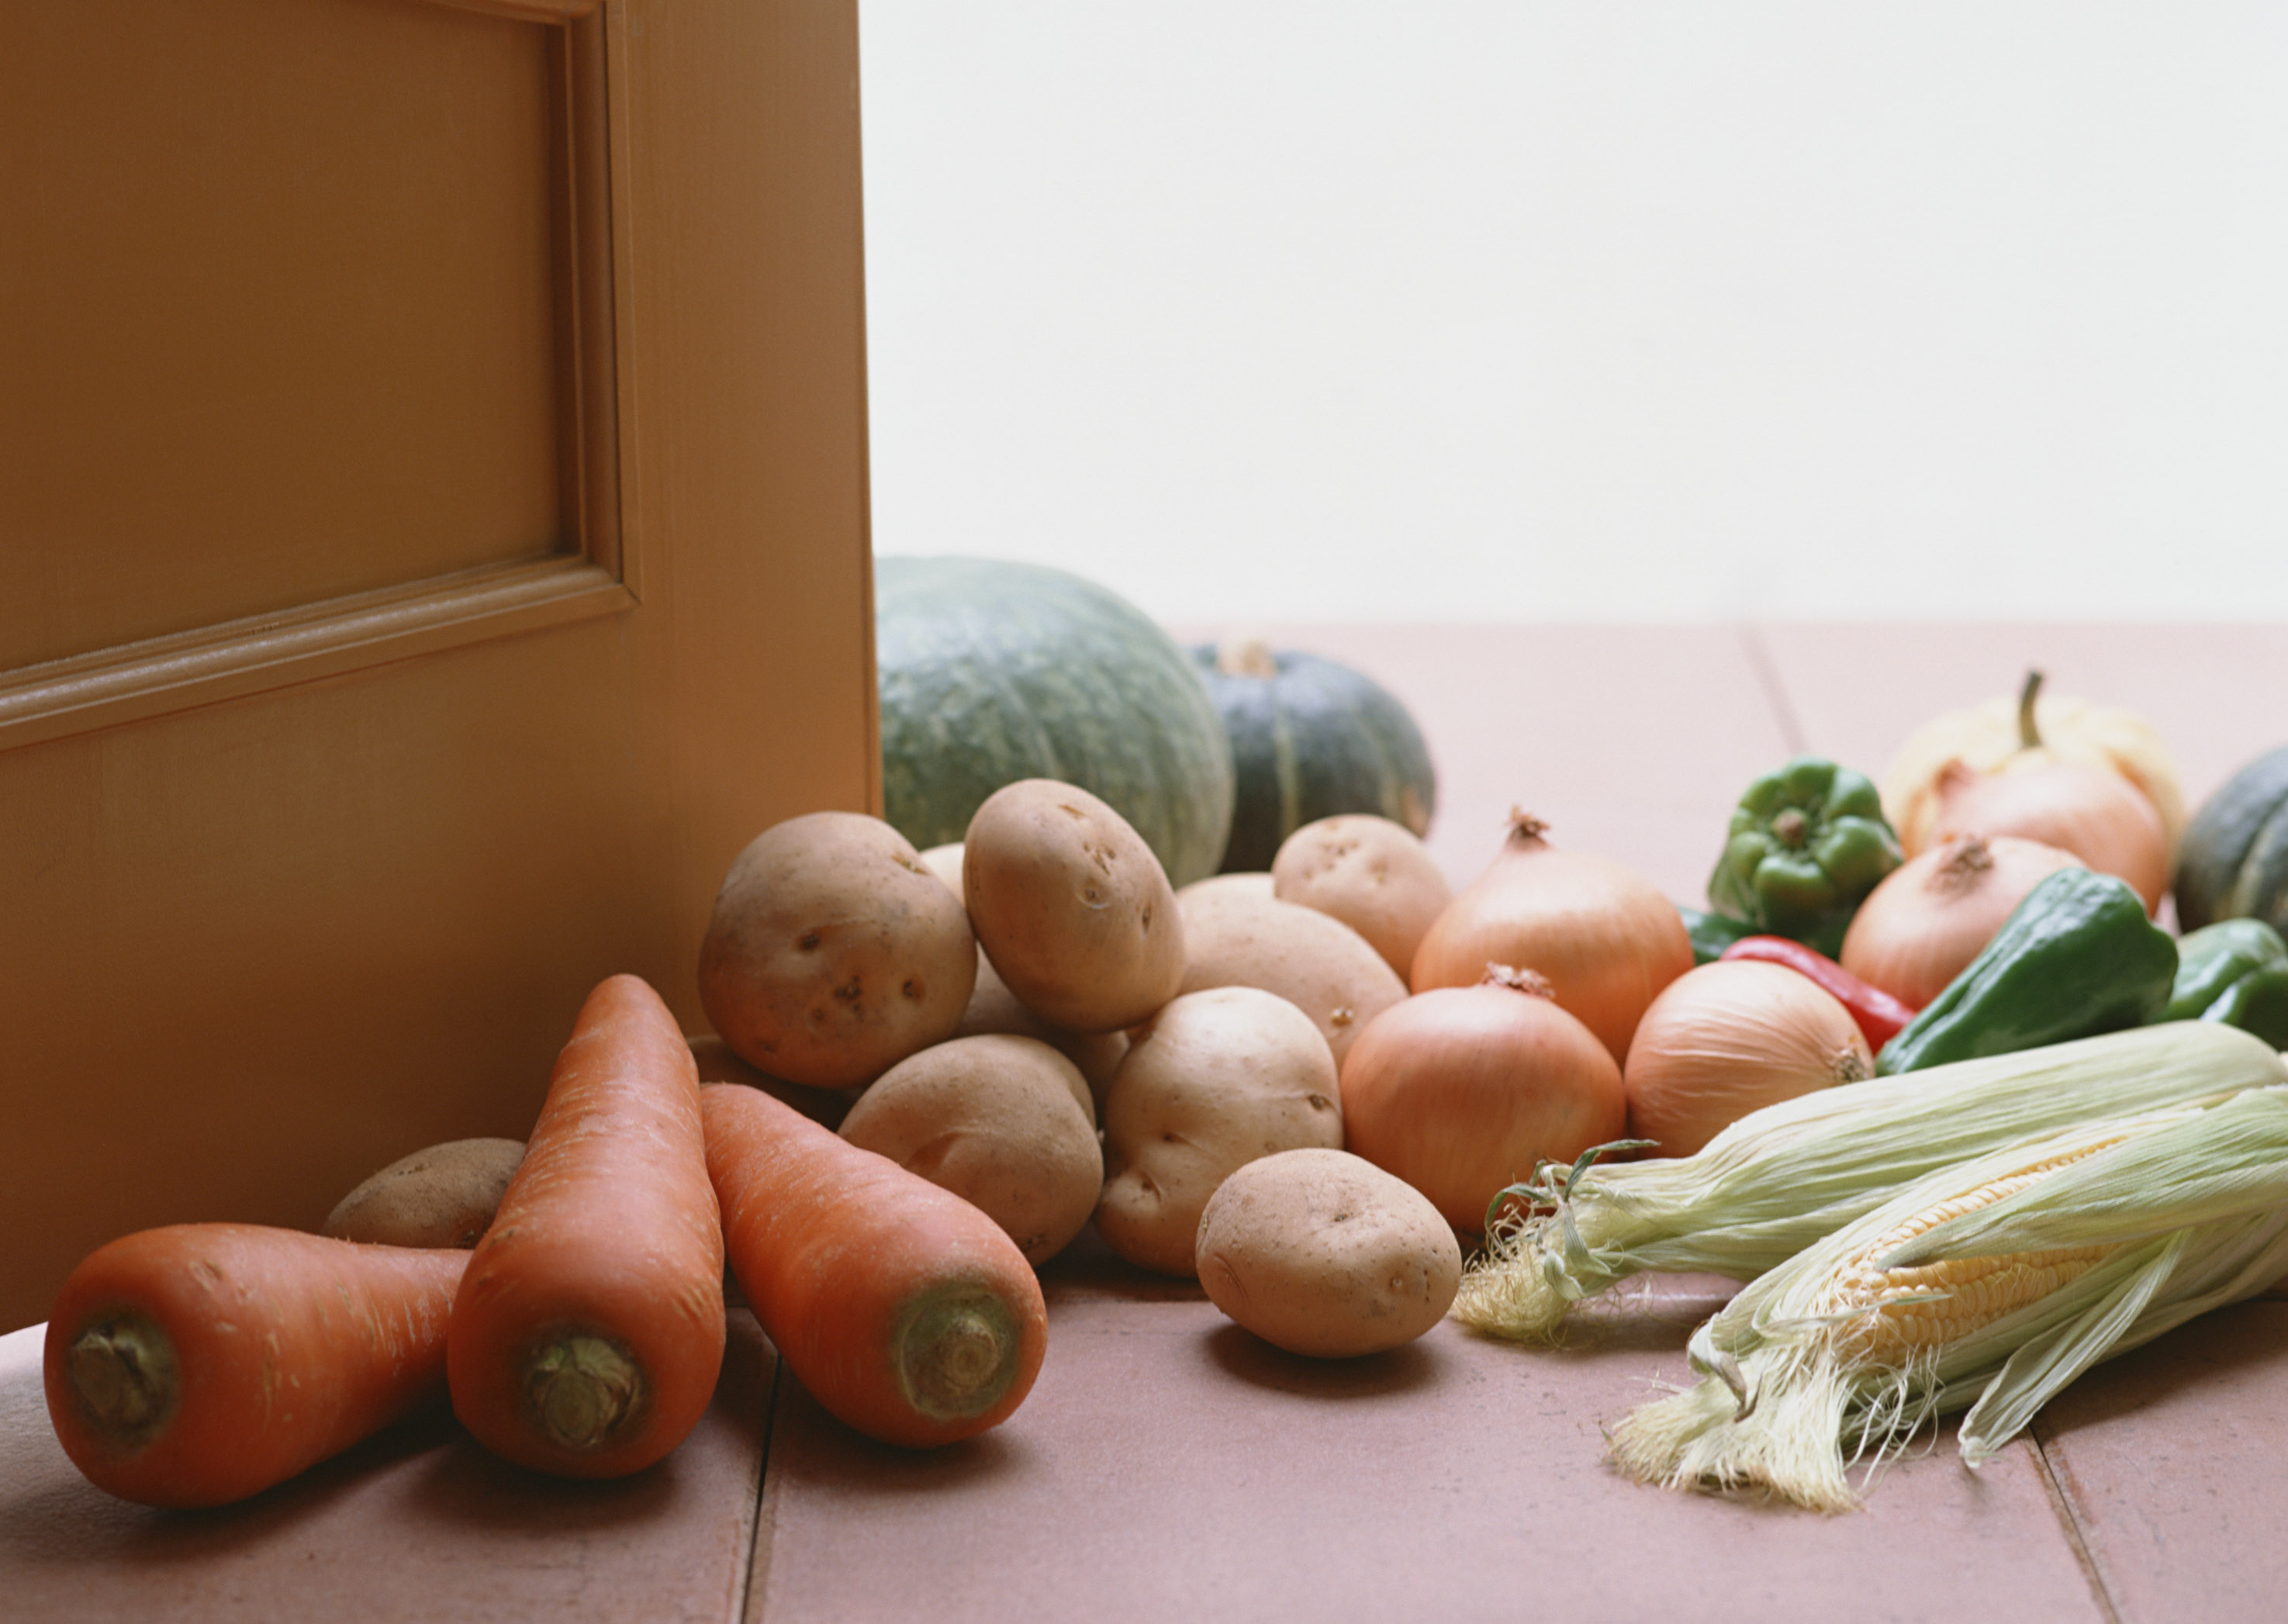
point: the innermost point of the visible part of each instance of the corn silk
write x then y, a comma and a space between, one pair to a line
1784, 1178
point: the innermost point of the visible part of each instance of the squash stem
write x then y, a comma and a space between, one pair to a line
2030, 736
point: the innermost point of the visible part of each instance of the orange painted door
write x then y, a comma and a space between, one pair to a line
433, 493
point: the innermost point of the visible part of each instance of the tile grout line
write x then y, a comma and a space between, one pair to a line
1768, 678
747, 1595
2062, 1504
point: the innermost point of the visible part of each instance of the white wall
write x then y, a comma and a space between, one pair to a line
1590, 312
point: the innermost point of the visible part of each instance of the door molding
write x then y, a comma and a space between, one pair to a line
593, 569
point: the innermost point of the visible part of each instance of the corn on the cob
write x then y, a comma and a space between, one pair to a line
1781, 1178
1988, 1286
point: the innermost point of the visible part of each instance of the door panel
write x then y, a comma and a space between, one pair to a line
284, 325
316, 839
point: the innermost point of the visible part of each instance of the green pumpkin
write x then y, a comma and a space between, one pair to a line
989, 671
1311, 738
2233, 861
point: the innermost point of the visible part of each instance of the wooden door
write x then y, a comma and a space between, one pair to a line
433, 489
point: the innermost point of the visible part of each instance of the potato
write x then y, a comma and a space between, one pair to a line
1314, 961
717, 1064
834, 953
994, 1008
945, 862
1005, 1122
444, 1196
1247, 885
1219, 1078
1375, 876
1322, 1253
1071, 907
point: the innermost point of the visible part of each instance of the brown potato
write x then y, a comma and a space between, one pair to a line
994, 1008
945, 862
1004, 1122
443, 1196
1375, 876
717, 1064
834, 953
1071, 907
1219, 1078
1313, 960
1259, 885
1322, 1253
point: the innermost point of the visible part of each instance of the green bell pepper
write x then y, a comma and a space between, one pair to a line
2258, 1004
2235, 971
2210, 959
1807, 842
2076, 958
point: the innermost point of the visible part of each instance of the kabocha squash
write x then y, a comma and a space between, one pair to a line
991, 671
1310, 738
2233, 862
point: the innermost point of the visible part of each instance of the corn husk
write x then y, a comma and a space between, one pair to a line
1780, 1179
2190, 1209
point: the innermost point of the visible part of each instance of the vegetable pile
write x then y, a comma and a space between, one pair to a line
1915, 1040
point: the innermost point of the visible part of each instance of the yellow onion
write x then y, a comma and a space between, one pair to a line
1733, 1037
2011, 735
1463, 1090
2095, 810
1605, 937
1920, 928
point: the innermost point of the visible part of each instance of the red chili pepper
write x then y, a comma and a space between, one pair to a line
1879, 1014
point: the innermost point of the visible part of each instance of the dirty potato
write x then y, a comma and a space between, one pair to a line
834, 953
1324, 1254
1005, 1122
1071, 907
1217, 1079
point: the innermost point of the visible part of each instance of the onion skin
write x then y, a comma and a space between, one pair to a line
1463, 1091
1879, 1017
1733, 1037
1605, 937
1921, 927
2092, 811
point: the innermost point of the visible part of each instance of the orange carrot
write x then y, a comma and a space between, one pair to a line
202, 1363
905, 1310
588, 1332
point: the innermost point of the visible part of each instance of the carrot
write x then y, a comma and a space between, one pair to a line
201, 1363
588, 1332
905, 1310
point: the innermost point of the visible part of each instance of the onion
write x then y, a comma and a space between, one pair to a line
1463, 1091
1733, 1037
2090, 811
1605, 937
1919, 929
